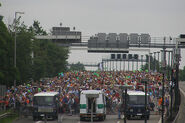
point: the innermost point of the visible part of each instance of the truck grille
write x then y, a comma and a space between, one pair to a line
45, 109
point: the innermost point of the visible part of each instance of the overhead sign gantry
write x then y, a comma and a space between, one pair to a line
117, 43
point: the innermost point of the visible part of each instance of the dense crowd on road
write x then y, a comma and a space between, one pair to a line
70, 84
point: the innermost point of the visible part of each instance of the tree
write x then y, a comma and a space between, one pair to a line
182, 74
49, 59
24, 49
152, 67
7, 70
77, 67
36, 29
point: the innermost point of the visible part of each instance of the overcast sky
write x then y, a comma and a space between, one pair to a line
157, 17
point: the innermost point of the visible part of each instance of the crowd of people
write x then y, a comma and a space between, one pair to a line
70, 84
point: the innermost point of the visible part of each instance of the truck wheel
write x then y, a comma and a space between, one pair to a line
81, 118
128, 117
101, 118
148, 117
34, 118
55, 117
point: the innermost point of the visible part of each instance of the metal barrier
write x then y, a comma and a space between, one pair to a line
2, 90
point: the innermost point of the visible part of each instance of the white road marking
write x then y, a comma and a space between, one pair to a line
118, 122
38, 122
60, 118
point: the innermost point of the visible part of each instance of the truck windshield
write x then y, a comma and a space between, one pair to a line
136, 99
43, 100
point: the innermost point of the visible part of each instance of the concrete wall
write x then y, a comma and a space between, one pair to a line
180, 118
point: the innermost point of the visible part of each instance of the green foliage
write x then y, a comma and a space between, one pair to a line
154, 65
7, 70
49, 59
182, 74
23, 53
36, 29
77, 67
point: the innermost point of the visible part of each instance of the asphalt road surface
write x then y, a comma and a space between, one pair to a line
75, 119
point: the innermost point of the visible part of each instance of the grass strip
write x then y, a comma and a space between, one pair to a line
10, 118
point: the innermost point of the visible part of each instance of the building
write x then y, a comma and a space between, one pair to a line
62, 35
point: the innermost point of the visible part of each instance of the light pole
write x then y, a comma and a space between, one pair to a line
145, 81
120, 64
163, 80
15, 64
132, 64
149, 62
137, 63
154, 62
158, 61
124, 65
142, 60
172, 81
110, 64
125, 87
177, 59
128, 64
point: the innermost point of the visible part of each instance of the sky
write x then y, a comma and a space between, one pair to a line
159, 18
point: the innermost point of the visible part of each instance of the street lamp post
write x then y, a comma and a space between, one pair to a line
142, 60
132, 64
172, 81
110, 64
149, 61
120, 64
163, 80
158, 61
128, 64
125, 87
124, 65
15, 24
177, 59
154, 62
145, 82
137, 63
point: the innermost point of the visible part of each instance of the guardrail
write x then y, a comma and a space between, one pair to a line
180, 115
3, 115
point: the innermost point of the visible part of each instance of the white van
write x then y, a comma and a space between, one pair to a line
99, 104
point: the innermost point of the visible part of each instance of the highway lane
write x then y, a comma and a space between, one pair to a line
182, 85
109, 119
76, 119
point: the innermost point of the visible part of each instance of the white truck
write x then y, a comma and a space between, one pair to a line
92, 105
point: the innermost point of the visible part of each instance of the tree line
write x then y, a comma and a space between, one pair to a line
157, 65
35, 58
